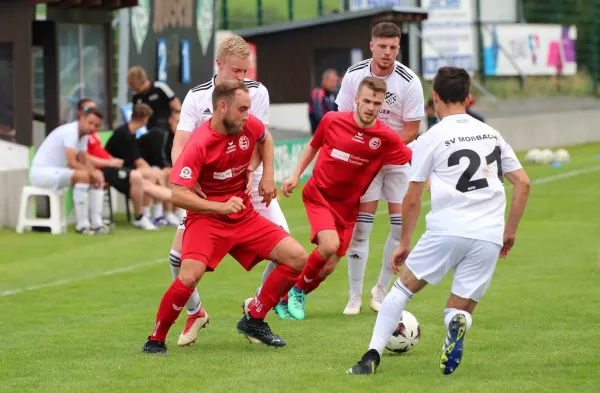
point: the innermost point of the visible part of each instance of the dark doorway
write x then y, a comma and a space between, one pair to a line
45, 80
338, 59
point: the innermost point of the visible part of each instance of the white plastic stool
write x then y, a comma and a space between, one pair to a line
58, 217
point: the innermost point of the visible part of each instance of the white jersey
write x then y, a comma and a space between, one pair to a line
197, 108
466, 161
52, 154
404, 101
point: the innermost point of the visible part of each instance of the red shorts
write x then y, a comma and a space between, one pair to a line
249, 241
321, 218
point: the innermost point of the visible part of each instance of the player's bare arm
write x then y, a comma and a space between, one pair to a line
410, 132
411, 209
306, 157
96, 176
73, 159
141, 163
267, 187
103, 163
520, 194
179, 141
187, 199
175, 105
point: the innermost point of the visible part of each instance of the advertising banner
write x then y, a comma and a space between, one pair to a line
448, 36
529, 49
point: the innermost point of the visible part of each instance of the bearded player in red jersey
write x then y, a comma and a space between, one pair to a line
352, 146
217, 157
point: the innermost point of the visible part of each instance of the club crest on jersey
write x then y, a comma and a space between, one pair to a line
186, 173
391, 98
374, 143
244, 142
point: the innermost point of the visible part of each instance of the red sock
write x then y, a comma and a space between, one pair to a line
172, 303
314, 284
279, 282
308, 287
311, 271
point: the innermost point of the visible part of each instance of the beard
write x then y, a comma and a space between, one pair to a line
363, 118
232, 127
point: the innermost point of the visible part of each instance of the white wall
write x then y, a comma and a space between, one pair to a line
290, 117
13, 156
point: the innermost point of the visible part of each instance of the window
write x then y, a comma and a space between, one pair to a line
82, 71
7, 127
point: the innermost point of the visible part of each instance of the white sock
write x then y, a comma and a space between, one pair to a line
358, 252
96, 207
158, 210
270, 267
389, 315
386, 274
193, 304
449, 313
82, 207
147, 211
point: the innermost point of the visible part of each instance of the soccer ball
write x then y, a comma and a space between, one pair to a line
546, 156
533, 155
407, 334
561, 155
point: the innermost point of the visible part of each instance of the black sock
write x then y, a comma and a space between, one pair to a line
139, 217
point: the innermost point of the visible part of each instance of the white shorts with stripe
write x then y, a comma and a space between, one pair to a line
390, 185
472, 261
49, 177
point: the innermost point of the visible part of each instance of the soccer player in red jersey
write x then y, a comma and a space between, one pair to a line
352, 146
217, 157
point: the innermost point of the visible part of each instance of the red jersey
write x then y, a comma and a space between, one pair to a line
95, 147
350, 157
218, 163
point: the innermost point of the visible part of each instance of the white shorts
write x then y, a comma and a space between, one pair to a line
473, 263
48, 177
390, 185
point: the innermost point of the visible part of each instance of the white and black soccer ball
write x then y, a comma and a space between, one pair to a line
533, 156
561, 155
407, 334
546, 156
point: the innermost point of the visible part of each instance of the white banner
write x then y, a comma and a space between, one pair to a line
364, 4
448, 36
529, 49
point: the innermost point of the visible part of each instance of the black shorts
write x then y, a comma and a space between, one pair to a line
118, 178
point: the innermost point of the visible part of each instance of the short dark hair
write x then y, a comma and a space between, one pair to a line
92, 111
226, 91
374, 84
141, 112
81, 103
452, 84
386, 30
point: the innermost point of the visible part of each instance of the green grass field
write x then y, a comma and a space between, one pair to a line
77, 310
243, 13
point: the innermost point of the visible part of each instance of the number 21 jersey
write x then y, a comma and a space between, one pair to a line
466, 161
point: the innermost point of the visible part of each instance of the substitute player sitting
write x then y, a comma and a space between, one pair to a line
352, 146
465, 231
217, 157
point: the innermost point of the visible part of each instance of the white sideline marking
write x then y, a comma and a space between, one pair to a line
83, 278
541, 180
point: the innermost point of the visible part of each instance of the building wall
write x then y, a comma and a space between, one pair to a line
285, 61
173, 21
15, 31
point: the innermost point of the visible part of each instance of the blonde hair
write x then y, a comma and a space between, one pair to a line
233, 46
136, 76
